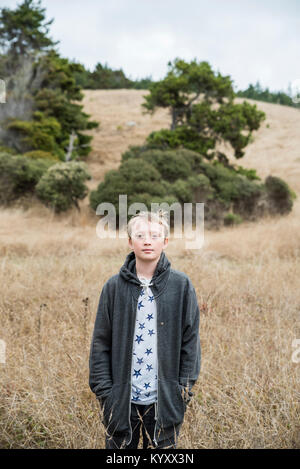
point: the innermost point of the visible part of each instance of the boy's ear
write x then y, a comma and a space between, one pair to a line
166, 240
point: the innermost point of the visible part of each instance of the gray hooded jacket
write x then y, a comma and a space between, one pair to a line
178, 346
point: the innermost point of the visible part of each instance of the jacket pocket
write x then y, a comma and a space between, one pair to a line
115, 409
171, 405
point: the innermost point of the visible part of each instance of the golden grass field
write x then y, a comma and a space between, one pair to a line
52, 268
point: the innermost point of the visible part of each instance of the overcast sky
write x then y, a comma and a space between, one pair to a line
249, 40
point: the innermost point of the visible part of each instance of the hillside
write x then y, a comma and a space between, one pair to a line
275, 149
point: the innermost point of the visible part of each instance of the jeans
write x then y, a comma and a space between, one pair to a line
142, 416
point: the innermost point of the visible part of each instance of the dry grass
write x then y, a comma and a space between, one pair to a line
51, 272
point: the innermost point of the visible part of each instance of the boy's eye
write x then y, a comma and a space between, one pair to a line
143, 236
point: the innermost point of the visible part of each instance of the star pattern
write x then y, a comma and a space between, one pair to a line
144, 362
137, 373
139, 338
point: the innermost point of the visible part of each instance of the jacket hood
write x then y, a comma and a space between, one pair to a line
159, 278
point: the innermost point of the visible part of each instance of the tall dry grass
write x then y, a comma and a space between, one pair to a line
52, 269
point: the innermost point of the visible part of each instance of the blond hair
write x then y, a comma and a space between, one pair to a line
160, 217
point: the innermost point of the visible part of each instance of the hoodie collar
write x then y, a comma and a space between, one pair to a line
159, 278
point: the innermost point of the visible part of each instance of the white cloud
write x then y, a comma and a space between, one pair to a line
249, 40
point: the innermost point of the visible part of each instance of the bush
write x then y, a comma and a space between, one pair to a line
154, 175
196, 188
7, 150
63, 185
230, 186
40, 133
135, 178
41, 155
171, 164
279, 194
19, 175
232, 219
182, 137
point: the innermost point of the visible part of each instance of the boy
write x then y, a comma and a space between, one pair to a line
145, 353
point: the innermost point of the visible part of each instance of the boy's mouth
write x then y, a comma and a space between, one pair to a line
147, 250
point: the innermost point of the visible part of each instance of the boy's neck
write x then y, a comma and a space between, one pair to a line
145, 269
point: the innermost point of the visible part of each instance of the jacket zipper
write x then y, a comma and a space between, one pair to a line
130, 388
156, 403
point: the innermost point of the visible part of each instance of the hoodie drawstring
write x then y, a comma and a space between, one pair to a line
145, 283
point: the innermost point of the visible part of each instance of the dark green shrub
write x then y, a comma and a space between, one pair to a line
154, 175
41, 155
232, 219
171, 164
19, 175
40, 133
196, 188
182, 137
230, 186
7, 150
134, 178
249, 173
279, 194
62, 186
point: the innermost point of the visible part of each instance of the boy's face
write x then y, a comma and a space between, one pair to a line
147, 240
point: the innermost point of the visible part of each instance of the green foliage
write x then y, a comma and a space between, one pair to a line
182, 137
7, 150
19, 175
196, 125
235, 123
232, 219
143, 83
42, 110
149, 175
170, 165
40, 155
194, 189
259, 94
280, 194
152, 175
184, 83
56, 97
38, 134
249, 173
135, 178
62, 186
24, 29
104, 77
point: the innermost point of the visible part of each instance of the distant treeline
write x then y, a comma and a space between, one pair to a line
259, 94
104, 77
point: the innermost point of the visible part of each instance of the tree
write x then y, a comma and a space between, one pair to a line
42, 93
24, 30
202, 110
